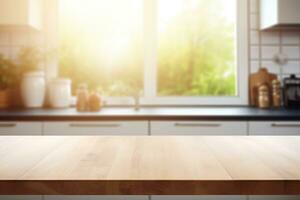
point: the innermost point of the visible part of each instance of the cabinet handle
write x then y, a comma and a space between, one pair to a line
196, 125
8, 125
285, 125
95, 125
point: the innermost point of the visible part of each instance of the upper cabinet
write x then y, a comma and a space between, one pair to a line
279, 14
21, 14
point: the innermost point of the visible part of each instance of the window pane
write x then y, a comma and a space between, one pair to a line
197, 48
101, 44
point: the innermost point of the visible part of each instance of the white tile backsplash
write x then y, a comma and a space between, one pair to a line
5, 51
254, 52
292, 67
4, 38
269, 52
20, 38
271, 66
290, 37
269, 37
254, 66
291, 52
15, 51
37, 39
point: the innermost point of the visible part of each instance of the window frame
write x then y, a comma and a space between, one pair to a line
150, 66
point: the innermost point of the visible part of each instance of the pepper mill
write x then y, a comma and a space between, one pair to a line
263, 96
276, 93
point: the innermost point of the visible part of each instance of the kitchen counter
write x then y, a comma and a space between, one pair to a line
149, 165
152, 113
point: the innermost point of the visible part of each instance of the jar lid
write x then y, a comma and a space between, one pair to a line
34, 74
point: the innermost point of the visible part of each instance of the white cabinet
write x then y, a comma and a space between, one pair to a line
198, 128
21, 128
279, 13
21, 14
96, 128
274, 128
95, 198
199, 198
7, 197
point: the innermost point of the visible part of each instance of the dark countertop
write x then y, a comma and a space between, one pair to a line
152, 113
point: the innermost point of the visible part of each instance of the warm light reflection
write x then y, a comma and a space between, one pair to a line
101, 44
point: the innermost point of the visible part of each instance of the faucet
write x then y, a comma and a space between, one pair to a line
136, 99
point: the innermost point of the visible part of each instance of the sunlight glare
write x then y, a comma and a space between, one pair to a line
106, 28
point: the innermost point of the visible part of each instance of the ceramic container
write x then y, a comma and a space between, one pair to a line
33, 89
60, 93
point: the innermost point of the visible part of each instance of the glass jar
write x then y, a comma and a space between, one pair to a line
82, 98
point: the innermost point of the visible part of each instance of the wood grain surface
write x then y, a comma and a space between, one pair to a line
149, 165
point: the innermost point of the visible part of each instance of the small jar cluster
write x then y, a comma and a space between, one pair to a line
88, 101
268, 97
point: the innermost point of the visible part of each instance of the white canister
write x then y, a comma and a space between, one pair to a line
33, 89
60, 93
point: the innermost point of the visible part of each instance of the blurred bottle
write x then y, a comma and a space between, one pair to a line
82, 98
95, 102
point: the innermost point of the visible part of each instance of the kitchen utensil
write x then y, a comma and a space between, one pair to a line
292, 92
263, 96
276, 93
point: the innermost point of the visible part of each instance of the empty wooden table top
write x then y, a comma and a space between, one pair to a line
149, 165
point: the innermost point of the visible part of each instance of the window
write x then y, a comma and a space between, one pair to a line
101, 44
173, 52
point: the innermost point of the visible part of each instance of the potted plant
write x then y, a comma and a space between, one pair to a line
7, 81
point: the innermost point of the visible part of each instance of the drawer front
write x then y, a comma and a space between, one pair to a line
199, 198
274, 197
20, 197
198, 128
274, 128
97, 128
21, 128
95, 198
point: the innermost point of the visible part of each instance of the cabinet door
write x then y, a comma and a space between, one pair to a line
274, 128
20, 128
199, 198
97, 128
95, 198
20, 197
198, 128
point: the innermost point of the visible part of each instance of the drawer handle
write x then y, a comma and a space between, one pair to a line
286, 125
196, 125
95, 125
8, 125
